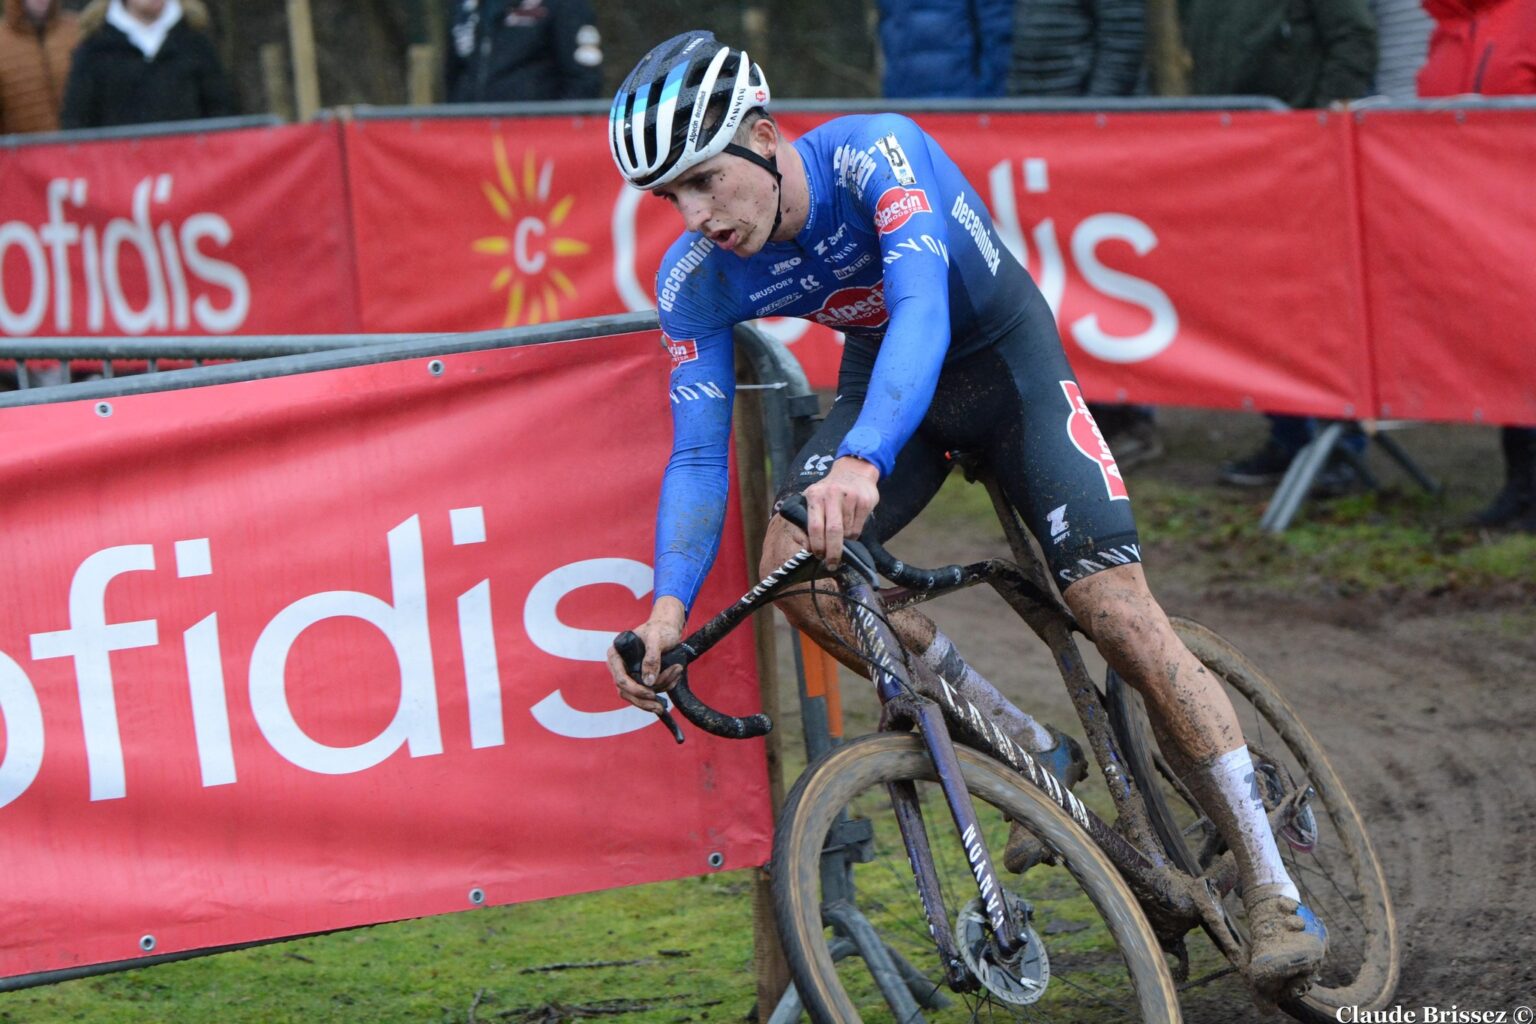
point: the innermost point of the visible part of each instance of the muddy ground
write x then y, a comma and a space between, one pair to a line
1426, 706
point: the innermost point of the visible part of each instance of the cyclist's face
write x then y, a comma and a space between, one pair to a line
728, 199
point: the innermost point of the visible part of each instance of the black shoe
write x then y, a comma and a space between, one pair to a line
1066, 761
1264, 467
1337, 477
1509, 507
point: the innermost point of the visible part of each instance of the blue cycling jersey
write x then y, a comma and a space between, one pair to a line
897, 249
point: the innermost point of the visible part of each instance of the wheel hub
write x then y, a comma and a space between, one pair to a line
1018, 980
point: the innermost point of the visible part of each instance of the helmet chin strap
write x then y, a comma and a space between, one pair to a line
771, 165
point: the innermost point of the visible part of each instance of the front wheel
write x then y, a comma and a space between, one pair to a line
1090, 955
1322, 839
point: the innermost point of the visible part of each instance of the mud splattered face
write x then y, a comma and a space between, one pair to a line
729, 200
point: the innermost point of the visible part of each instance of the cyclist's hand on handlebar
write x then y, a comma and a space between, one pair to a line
661, 632
838, 505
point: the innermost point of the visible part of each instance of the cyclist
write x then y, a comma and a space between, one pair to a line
865, 225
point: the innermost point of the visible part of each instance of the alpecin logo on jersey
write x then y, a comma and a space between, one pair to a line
1087, 439
683, 351
897, 205
853, 307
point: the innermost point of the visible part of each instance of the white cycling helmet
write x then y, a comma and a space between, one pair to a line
656, 128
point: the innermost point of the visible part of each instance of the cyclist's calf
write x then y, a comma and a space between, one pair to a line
1131, 630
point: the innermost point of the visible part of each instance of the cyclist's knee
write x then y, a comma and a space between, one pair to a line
1122, 617
779, 542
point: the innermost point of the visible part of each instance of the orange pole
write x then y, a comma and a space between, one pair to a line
821, 681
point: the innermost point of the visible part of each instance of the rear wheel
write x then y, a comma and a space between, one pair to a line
1322, 838
1090, 954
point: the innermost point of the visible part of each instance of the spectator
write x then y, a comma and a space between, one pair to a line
145, 61
1402, 29
1305, 53
945, 48
513, 50
1077, 47
35, 39
1489, 47
1088, 48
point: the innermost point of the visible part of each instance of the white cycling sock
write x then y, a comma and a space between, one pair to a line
942, 657
1230, 794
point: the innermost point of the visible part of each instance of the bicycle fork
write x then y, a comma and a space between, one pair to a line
903, 709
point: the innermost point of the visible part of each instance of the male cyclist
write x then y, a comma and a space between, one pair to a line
866, 225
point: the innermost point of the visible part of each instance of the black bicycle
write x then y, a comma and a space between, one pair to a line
887, 898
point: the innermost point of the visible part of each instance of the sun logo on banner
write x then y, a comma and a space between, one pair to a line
534, 285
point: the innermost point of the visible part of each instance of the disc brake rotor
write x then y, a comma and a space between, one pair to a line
1299, 829
1018, 980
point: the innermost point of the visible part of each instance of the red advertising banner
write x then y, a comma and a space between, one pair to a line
1197, 259
230, 232
1449, 208
1202, 259
319, 651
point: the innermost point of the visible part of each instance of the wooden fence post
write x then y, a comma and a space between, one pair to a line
306, 75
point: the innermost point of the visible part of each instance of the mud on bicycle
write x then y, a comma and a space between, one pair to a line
885, 889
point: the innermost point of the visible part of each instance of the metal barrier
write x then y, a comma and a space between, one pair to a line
157, 129
1006, 105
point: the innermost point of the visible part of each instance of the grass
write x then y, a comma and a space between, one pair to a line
1380, 543
1387, 543
675, 951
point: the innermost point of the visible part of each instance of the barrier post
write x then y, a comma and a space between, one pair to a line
770, 968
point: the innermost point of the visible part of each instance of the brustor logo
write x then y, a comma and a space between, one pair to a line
854, 307
897, 205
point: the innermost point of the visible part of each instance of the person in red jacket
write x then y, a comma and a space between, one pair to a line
1480, 46
1489, 47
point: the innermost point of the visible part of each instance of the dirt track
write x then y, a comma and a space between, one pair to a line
1424, 708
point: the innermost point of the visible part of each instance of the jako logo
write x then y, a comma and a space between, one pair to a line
167, 262
533, 285
1085, 435
854, 307
896, 207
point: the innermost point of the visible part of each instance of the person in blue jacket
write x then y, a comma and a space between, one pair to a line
945, 48
866, 225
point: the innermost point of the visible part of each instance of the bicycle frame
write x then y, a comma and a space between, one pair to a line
1175, 901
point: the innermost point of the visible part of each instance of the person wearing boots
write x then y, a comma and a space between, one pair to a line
1489, 47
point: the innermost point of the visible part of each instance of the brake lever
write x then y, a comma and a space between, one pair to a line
632, 650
